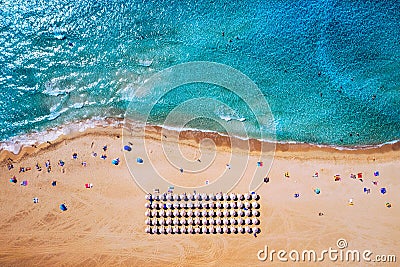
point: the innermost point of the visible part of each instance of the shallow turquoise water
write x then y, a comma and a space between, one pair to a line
330, 70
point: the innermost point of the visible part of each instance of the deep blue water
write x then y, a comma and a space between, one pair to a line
330, 70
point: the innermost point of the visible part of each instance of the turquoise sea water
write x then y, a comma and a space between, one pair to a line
330, 70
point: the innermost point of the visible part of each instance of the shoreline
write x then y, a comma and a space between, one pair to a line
51, 138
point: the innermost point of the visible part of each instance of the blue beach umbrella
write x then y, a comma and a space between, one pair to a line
383, 190
317, 191
115, 161
139, 160
63, 207
127, 148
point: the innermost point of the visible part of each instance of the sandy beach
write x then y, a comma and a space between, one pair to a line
104, 225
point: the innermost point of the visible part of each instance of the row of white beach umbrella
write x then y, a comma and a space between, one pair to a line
202, 213
202, 196
201, 205
203, 221
201, 230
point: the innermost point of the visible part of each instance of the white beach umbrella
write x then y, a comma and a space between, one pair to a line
205, 205
196, 213
240, 204
176, 197
211, 229
233, 221
196, 196
254, 205
204, 196
211, 196
218, 196
192, 197
225, 229
240, 213
233, 196
226, 221
240, 221
168, 213
211, 221
204, 213
247, 196
218, 229
225, 196
147, 205
226, 213
211, 213
218, 221
233, 229
154, 205
247, 221
183, 221
147, 196
190, 221
154, 213
157, 198
170, 197
240, 229
169, 205
168, 221
182, 197
255, 213
147, 213
154, 221
163, 197
183, 229
182, 205
233, 205
255, 221
218, 204
148, 229
161, 221
169, 229
190, 229
176, 213
182, 213
204, 229
211, 205
175, 221
255, 230
161, 213
176, 205
190, 213
247, 212
218, 213
153, 230
189, 196
239, 196
246, 205
148, 221
190, 205
226, 205
204, 221
248, 229
197, 221
233, 213
196, 205
175, 229
256, 196
163, 230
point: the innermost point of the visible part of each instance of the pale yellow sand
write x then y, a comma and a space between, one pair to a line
105, 225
